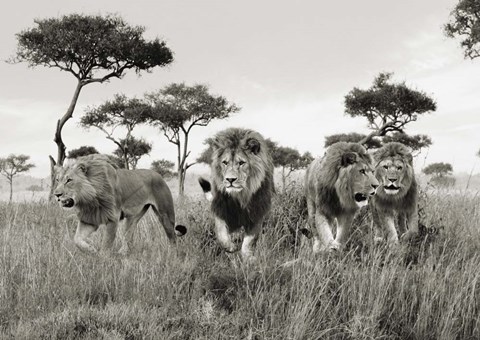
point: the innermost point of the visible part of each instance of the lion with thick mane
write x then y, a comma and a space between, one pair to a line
242, 172
102, 194
397, 195
337, 185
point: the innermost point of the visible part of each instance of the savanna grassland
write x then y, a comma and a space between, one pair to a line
427, 289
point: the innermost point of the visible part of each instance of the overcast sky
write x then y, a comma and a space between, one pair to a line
287, 64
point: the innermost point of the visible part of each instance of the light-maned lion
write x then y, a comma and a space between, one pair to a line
397, 195
337, 185
242, 172
102, 194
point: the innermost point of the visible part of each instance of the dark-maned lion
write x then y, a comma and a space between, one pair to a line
337, 185
242, 172
397, 195
100, 194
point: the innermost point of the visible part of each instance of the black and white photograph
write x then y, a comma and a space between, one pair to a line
240, 170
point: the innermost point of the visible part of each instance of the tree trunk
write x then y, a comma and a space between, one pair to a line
182, 168
11, 190
61, 148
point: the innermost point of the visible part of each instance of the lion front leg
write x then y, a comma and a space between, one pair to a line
249, 241
323, 240
412, 224
81, 234
344, 229
223, 235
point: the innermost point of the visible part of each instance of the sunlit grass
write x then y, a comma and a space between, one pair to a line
426, 290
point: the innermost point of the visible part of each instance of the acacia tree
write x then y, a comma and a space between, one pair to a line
94, 49
164, 167
119, 112
388, 107
289, 160
353, 137
82, 151
12, 166
131, 151
441, 173
465, 24
177, 108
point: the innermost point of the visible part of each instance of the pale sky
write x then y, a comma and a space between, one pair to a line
287, 64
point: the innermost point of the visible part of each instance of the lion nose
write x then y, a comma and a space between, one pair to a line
392, 180
58, 195
374, 186
231, 179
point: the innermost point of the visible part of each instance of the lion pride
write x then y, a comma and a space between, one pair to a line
397, 195
242, 172
102, 194
337, 185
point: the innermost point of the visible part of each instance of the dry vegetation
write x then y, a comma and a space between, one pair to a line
428, 289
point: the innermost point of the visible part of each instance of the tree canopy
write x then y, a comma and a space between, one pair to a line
387, 106
164, 167
465, 24
132, 150
438, 169
93, 48
82, 151
177, 108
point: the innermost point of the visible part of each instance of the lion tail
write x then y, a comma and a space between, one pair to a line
206, 187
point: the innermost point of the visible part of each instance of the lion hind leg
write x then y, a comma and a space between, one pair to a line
128, 226
80, 238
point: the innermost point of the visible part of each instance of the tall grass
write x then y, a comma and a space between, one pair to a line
428, 289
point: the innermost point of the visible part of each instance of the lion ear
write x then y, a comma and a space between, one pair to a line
253, 145
349, 158
409, 158
82, 167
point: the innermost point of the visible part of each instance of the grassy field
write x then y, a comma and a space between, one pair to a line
428, 289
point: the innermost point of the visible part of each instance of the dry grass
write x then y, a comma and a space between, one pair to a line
428, 289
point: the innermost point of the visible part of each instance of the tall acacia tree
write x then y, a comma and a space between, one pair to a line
13, 165
387, 106
119, 112
177, 108
465, 24
93, 49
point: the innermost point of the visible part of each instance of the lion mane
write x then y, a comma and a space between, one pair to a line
246, 207
336, 185
103, 194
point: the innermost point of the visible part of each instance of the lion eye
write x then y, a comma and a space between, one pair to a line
362, 171
241, 162
399, 167
225, 162
68, 180
385, 167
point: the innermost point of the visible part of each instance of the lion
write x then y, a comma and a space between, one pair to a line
337, 185
397, 195
102, 194
242, 172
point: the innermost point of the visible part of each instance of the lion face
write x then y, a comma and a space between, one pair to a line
240, 162
356, 179
395, 175
235, 170
71, 185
